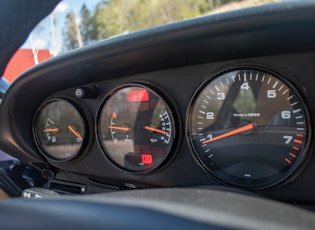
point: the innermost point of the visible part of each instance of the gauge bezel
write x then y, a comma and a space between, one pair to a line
175, 129
293, 172
84, 123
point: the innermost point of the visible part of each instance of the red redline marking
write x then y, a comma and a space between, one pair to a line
296, 148
298, 141
292, 155
299, 135
114, 115
288, 161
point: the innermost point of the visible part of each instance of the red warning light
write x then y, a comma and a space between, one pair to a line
138, 95
146, 159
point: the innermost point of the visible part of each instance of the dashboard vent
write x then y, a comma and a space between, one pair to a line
63, 187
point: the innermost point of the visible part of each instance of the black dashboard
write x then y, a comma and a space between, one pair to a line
173, 64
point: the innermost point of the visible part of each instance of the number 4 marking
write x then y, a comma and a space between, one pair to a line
245, 86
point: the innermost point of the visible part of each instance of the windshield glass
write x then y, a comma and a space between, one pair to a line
76, 23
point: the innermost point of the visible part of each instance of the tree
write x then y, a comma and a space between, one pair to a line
109, 19
114, 17
72, 37
86, 25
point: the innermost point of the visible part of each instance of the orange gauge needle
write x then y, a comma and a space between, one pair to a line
156, 130
50, 130
233, 132
119, 128
75, 132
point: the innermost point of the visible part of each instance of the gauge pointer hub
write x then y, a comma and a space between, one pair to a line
230, 133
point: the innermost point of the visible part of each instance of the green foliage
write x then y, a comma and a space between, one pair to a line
70, 32
218, 3
120, 16
86, 25
115, 17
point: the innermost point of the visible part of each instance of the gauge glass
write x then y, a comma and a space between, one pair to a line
136, 128
59, 130
248, 128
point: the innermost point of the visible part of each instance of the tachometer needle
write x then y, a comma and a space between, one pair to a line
118, 128
230, 133
75, 132
156, 130
50, 130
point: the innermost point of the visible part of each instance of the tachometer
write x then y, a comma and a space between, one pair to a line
248, 128
136, 128
59, 130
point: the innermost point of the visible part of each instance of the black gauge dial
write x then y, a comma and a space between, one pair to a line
59, 130
136, 128
248, 128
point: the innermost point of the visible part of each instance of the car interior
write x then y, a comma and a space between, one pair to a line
206, 123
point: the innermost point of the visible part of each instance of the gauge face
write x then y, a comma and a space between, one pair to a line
59, 130
136, 128
248, 128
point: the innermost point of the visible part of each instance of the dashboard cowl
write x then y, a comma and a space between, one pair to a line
272, 29
272, 34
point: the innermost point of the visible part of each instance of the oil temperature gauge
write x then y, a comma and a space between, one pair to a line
136, 128
59, 130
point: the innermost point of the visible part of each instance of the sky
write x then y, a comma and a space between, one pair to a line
41, 36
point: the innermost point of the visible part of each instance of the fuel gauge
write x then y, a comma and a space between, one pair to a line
136, 128
59, 130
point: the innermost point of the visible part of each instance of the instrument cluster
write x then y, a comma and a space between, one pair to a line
247, 127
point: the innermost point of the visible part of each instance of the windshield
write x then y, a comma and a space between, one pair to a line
77, 23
